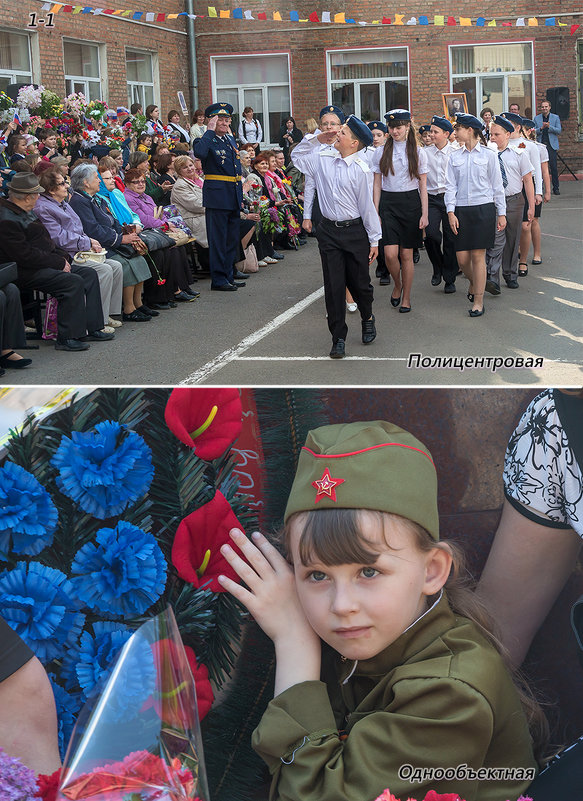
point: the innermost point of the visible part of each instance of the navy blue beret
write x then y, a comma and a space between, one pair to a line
360, 130
469, 121
503, 123
442, 122
424, 128
377, 125
510, 115
398, 115
333, 110
526, 123
222, 109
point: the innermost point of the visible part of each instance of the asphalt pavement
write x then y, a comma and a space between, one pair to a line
273, 331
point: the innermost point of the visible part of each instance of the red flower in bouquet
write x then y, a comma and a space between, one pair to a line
208, 420
196, 551
47, 786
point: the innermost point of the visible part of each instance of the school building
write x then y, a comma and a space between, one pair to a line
282, 67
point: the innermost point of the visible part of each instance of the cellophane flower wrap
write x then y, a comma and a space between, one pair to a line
138, 736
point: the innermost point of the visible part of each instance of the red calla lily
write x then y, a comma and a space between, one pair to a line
174, 701
208, 420
196, 551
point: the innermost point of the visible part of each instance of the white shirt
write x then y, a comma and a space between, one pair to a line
472, 178
516, 165
543, 152
250, 131
401, 180
533, 155
436, 165
344, 185
368, 154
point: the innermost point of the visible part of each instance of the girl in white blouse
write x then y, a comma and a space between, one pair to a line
400, 196
475, 202
250, 128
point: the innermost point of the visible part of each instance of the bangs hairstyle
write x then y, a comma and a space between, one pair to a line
386, 163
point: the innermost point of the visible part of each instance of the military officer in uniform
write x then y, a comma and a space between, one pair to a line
222, 195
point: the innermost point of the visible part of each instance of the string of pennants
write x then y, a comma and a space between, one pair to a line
437, 20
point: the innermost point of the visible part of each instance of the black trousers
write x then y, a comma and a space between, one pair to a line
11, 323
553, 166
444, 260
79, 300
222, 230
344, 254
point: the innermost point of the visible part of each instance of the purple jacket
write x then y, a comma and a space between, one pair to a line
145, 208
63, 224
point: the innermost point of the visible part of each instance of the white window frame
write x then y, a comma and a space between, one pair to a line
19, 76
241, 89
359, 81
503, 75
141, 85
84, 79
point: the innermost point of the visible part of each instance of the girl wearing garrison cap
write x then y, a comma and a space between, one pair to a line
381, 677
475, 204
400, 196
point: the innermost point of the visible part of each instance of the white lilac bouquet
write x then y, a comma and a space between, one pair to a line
29, 97
75, 103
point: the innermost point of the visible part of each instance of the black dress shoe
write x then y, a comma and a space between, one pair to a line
404, 309
240, 276
449, 289
172, 305
415, 255
98, 336
13, 364
136, 317
338, 349
476, 312
395, 301
147, 310
492, 287
239, 283
160, 306
71, 344
385, 280
192, 293
556, 192
224, 288
182, 297
511, 283
369, 331
435, 280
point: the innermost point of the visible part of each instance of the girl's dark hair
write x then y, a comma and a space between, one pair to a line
336, 537
12, 142
150, 109
287, 119
478, 134
386, 163
143, 136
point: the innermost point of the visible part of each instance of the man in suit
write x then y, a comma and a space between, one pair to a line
222, 195
548, 128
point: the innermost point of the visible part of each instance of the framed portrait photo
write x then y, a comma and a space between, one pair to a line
454, 102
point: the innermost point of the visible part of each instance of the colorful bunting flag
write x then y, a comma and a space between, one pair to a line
399, 19
277, 16
574, 28
314, 17
439, 19
326, 16
532, 21
212, 11
550, 21
339, 17
238, 13
225, 14
465, 21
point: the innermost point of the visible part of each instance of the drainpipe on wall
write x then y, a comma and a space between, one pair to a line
192, 58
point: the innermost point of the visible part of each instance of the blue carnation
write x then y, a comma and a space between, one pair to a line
27, 514
39, 603
104, 471
122, 573
68, 706
136, 679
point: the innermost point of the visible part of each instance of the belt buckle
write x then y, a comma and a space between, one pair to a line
340, 223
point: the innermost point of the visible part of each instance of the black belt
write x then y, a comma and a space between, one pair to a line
343, 223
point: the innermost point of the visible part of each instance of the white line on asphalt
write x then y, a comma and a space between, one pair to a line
556, 236
573, 208
228, 355
320, 359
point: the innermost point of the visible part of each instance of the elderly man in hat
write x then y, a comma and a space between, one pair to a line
350, 229
222, 195
43, 265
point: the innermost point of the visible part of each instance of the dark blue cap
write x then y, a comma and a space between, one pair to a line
503, 123
424, 128
377, 125
526, 123
515, 118
442, 122
398, 115
221, 109
469, 121
333, 110
360, 130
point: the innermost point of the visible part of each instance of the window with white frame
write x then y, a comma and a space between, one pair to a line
15, 59
494, 75
81, 60
259, 81
140, 77
370, 82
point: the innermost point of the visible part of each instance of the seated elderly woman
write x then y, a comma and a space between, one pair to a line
159, 193
171, 262
66, 231
43, 265
112, 164
100, 224
187, 197
279, 197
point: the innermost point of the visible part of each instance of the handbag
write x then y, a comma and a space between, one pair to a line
156, 239
175, 217
250, 263
8, 273
85, 256
179, 237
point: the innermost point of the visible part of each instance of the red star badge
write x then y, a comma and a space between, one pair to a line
326, 486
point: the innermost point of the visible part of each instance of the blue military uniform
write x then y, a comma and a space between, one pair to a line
222, 196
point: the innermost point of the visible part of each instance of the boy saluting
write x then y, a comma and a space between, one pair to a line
350, 229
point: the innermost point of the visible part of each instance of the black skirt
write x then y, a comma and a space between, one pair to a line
537, 209
477, 227
400, 213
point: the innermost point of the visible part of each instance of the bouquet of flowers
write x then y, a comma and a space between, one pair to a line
51, 105
7, 115
75, 103
29, 97
5, 101
96, 110
139, 736
271, 218
135, 126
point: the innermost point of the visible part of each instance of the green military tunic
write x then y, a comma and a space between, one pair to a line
439, 697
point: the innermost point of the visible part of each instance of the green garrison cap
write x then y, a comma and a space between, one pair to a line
366, 465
